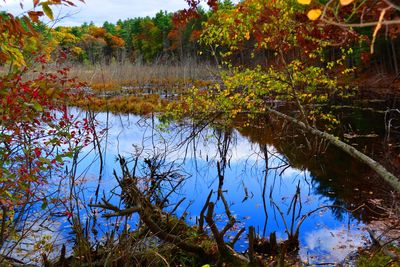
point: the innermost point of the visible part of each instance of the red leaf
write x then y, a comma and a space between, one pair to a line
38, 152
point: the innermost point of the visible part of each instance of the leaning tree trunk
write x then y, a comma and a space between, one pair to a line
392, 180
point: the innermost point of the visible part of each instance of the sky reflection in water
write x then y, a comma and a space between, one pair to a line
323, 237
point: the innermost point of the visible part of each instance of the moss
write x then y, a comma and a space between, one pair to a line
373, 259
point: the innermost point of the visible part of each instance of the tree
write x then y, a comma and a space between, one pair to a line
163, 21
149, 43
295, 68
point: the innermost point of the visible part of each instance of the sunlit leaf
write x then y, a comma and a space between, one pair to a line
346, 2
304, 2
37, 107
47, 10
314, 14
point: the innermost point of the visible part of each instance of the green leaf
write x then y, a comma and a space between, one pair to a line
37, 106
44, 205
47, 10
9, 195
59, 159
69, 154
44, 160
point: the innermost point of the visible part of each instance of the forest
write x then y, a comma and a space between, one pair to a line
228, 133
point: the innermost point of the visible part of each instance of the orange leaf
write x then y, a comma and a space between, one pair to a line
34, 15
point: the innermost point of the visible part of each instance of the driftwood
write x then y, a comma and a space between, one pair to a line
169, 229
391, 179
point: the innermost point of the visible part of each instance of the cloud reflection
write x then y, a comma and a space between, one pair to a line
335, 244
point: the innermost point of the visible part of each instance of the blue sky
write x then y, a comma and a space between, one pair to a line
99, 11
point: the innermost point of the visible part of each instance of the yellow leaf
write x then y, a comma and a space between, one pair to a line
47, 10
314, 14
304, 2
346, 2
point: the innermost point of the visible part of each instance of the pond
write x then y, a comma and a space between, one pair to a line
267, 174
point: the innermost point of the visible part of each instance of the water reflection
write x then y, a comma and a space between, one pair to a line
334, 243
335, 175
269, 179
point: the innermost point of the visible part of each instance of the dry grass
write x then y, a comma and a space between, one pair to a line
135, 88
116, 76
138, 89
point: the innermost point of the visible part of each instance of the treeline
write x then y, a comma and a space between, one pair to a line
171, 37
146, 39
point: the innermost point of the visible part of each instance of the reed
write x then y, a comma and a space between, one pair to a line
115, 76
137, 88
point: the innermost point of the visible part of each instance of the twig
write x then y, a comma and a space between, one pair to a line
237, 236
177, 205
382, 246
231, 221
117, 211
203, 210
376, 166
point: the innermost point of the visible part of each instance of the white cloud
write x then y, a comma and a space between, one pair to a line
336, 244
100, 11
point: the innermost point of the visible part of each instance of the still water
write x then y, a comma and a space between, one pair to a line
262, 171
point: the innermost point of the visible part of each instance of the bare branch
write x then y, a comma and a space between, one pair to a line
203, 210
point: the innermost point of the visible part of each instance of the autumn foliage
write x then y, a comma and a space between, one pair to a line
37, 133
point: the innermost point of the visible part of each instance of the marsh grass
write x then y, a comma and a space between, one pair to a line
140, 105
137, 88
115, 76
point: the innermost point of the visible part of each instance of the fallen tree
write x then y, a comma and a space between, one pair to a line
390, 178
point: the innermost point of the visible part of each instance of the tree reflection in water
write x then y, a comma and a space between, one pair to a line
264, 176
222, 157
